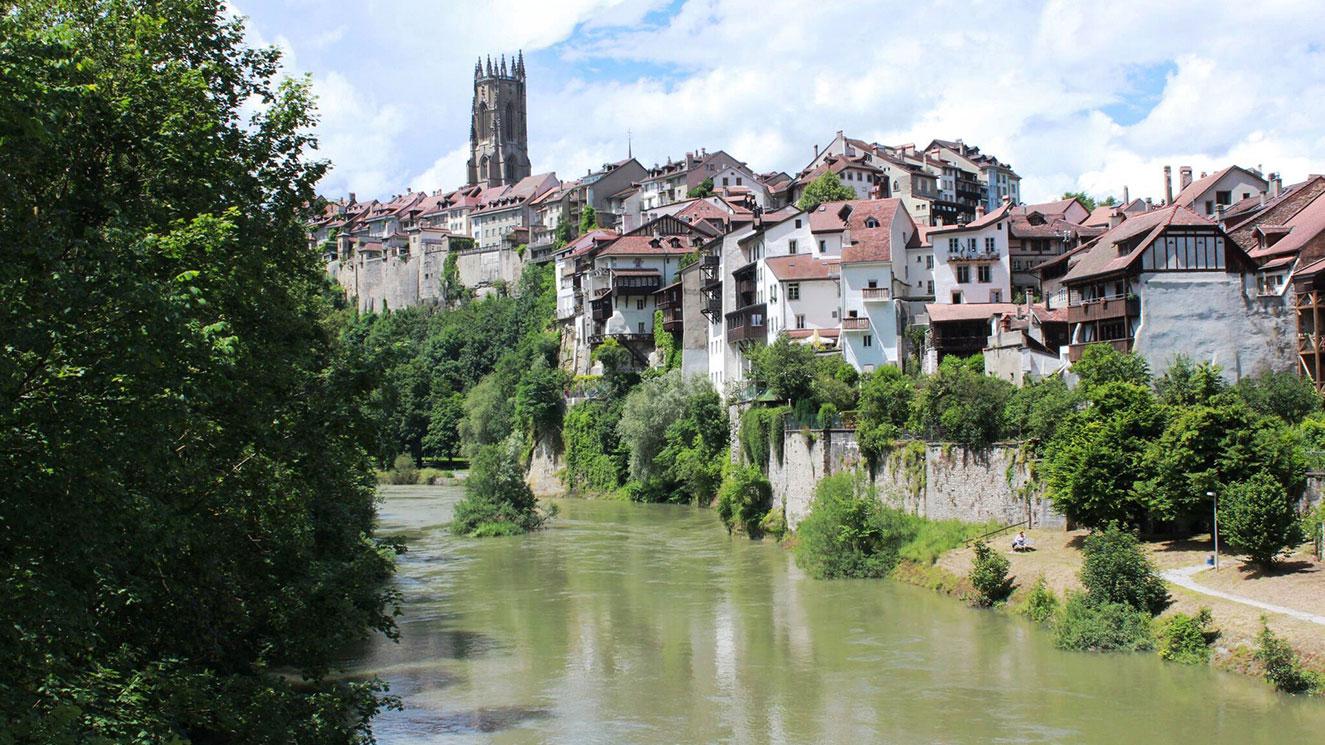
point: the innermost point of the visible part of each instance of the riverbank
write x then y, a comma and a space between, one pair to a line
1058, 558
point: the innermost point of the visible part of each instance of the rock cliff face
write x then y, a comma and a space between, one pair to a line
543, 469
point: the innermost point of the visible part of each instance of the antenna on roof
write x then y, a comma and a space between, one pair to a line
628, 153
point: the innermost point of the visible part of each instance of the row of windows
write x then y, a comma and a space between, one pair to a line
995, 296
1178, 251
983, 274
793, 248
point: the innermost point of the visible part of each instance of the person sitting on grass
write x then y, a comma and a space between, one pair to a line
1019, 543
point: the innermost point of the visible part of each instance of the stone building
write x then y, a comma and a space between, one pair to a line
499, 130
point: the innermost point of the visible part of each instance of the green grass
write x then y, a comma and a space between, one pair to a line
933, 538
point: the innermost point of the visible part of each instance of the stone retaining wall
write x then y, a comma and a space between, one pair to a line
933, 480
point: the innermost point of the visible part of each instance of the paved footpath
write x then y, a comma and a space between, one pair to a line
1183, 578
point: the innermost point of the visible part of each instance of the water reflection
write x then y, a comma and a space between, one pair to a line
630, 623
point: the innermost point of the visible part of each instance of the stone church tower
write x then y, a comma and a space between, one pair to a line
498, 131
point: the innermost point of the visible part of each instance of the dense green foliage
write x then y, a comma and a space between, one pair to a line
848, 532
885, 406
595, 463
1258, 518
1290, 397
674, 429
403, 471
588, 219
705, 189
1036, 410
744, 500
1089, 626
961, 404
1115, 571
784, 368
1282, 667
1041, 602
989, 575
497, 499
1186, 639
1101, 363
761, 434
186, 545
826, 188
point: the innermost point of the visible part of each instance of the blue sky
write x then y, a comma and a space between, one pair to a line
1091, 96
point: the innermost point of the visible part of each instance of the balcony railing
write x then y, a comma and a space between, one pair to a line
855, 324
636, 284
1104, 309
869, 294
1074, 351
602, 309
749, 323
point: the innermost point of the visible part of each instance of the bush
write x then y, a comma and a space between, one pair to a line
589, 437
848, 532
1260, 519
1116, 572
743, 499
1283, 670
1186, 639
403, 470
1041, 603
989, 575
961, 404
774, 523
761, 434
1283, 394
1091, 626
497, 499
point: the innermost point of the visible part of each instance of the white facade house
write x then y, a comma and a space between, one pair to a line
1212, 192
971, 261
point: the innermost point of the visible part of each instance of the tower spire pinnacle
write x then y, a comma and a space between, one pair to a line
489, 65
519, 64
503, 65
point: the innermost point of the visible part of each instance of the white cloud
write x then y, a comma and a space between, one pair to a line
1028, 81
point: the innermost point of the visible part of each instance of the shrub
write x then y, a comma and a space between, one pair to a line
1260, 519
403, 470
1090, 626
989, 575
590, 441
774, 523
1186, 639
1116, 572
1283, 670
497, 499
848, 532
1041, 603
761, 434
743, 499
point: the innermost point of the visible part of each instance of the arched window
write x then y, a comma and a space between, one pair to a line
484, 120
508, 121
483, 169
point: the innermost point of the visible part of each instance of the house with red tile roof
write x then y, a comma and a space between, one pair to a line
1172, 282
971, 262
1039, 232
1212, 192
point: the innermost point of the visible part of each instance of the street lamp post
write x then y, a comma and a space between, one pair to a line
1214, 499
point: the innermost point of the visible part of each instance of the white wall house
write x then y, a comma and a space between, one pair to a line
971, 261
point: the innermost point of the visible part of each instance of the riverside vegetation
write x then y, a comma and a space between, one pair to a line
187, 541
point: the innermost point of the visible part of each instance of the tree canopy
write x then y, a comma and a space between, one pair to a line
826, 188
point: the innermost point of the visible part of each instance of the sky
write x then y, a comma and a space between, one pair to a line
1089, 96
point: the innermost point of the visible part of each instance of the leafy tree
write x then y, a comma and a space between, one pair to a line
1115, 571
489, 415
1101, 363
1283, 669
1086, 200
1186, 639
1036, 410
961, 405
848, 532
826, 188
593, 457
835, 383
1095, 459
744, 499
989, 575
443, 437
617, 367
650, 410
696, 447
497, 499
538, 398
885, 405
1259, 518
588, 219
705, 189
1185, 384
785, 368
562, 235
187, 547
1290, 397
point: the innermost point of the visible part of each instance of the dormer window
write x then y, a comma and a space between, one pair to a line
870, 222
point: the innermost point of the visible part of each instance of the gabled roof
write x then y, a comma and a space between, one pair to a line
979, 222
1198, 187
649, 245
589, 241
948, 312
1102, 256
867, 243
1303, 227
802, 267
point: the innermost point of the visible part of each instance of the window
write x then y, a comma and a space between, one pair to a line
800, 321
639, 304
793, 290
798, 223
823, 246
834, 314
963, 274
870, 222
929, 287
982, 273
873, 283
773, 293
989, 244
641, 327
867, 341
995, 296
929, 261
738, 180
724, 181
791, 246
952, 245
639, 263
1223, 197
956, 298
1209, 207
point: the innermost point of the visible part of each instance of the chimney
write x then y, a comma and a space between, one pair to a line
980, 210
1115, 218
816, 150
1126, 195
1184, 177
1168, 185
1276, 184
839, 133
352, 199
1262, 198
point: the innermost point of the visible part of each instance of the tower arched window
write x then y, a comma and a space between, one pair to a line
508, 121
484, 120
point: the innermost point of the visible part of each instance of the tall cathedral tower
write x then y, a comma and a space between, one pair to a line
498, 131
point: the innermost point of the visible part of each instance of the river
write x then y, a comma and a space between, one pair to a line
627, 623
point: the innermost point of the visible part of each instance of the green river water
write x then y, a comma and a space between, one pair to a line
627, 623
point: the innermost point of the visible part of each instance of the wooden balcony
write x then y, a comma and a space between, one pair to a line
601, 309
856, 324
633, 282
875, 294
1106, 309
748, 324
1074, 351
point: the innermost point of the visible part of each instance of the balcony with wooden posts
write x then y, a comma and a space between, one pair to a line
668, 300
748, 324
861, 323
636, 281
875, 294
1104, 309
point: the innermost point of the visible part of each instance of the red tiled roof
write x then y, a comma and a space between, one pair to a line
867, 244
648, 245
1198, 187
1302, 228
1099, 217
979, 222
1102, 257
945, 312
802, 267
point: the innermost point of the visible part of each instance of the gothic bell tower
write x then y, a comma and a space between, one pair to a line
498, 130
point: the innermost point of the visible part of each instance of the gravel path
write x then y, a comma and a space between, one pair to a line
1183, 578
